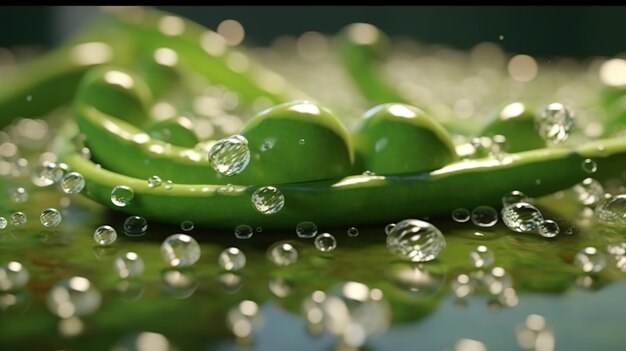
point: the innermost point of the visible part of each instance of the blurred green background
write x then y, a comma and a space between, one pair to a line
576, 31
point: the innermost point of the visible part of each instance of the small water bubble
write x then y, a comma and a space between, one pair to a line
589, 192
232, 259
548, 229
85, 153
514, 197
461, 215
230, 156
129, 265
73, 183
258, 229
389, 227
154, 181
180, 250
268, 145
282, 253
306, 229
243, 231
50, 173
589, 166
481, 257
104, 235
554, 123
135, 226
501, 37
3, 223
352, 231
75, 296
462, 285
484, 216
186, 225
122, 195
20, 195
13, 276
325, 242
301, 141
169, 184
416, 240
268, 200
611, 211
522, 217
50, 217
590, 259
18, 218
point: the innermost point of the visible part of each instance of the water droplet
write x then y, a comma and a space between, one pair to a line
122, 195
282, 253
554, 123
13, 276
548, 229
73, 183
243, 231
75, 296
180, 250
268, 200
522, 217
85, 153
104, 235
180, 283
535, 334
242, 319
612, 211
497, 281
154, 182
50, 173
230, 156
129, 265
169, 184
3, 223
50, 217
352, 231
514, 197
616, 249
301, 141
280, 287
18, 218
461, 215
306, 229
589, 259
325, 242
589, 166
20, 195
232, 259
268, 145
135, 226
589, 192
484, 216
416, 240
462, 285
481, 257
186, 225
389, 227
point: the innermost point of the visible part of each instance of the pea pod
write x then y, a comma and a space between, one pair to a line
359, 199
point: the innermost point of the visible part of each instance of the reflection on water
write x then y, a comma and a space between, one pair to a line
179, 283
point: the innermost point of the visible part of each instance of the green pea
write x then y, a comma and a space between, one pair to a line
516, 122
176, 131
399, 138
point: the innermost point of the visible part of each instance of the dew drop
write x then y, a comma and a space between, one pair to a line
548, 229
352, 231
20, 195
104, 235
75, 296
325, 242
282, 253
3, 223
611, 211
416, 240
554, 123
13, 276
129, 265
180, 250
522, 217
484, 216
186, 225
232, 259
461, 215
589, 259
50, 217
18, 218
73, 183
589, 166
169, 184
481, 257
306, 229
154, 181
268, 200
243, 231
589, 192
514, 197
135, 226
122, 195
230, 156
389, 227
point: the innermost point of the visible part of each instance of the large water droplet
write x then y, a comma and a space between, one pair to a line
73, 183
554, 123
612, 211
548, 229
135, 226
514, 197
306, 229
50, 217
522, 217
129, 265
18, 218
13, 276
122, 195
416, 240
282, 253
268, 200
325, 242
230, 156
484, 216
105, 235
180, 250
75, 296
232, 259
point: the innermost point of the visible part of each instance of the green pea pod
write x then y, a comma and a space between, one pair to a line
358, 199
